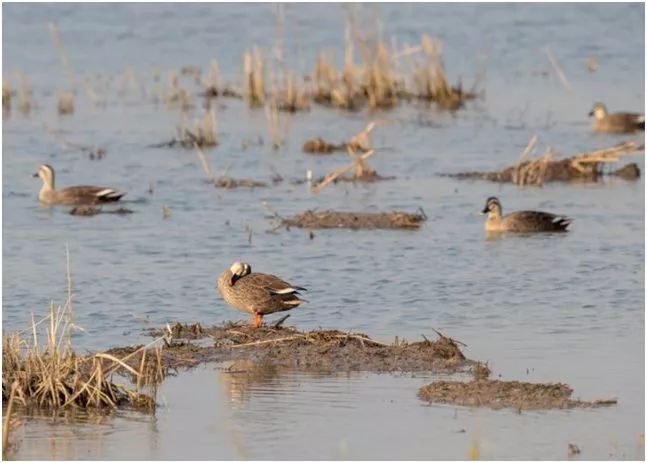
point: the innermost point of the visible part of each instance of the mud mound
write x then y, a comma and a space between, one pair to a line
320, 350
229, 183
505, 394
89, 211
320, 146
356, 220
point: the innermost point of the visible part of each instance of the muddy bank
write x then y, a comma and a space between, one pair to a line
498, 394
318, 350
356, 220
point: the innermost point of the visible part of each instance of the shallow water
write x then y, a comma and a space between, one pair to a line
542, 308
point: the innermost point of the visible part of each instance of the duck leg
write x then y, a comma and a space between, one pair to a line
258, 320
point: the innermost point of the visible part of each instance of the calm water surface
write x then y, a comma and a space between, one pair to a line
542, 308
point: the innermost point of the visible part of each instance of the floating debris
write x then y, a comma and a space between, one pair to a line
356, 220
230, 183
584, 167
360, 142
573, 450
498, 394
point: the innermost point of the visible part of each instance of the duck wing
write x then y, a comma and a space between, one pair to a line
268, 293
94, 194
536, 221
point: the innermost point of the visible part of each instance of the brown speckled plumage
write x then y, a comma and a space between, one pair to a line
615, 122
522, 221
257, 293
75, 195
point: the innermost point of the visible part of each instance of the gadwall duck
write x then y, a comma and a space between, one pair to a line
74, 195
521, 221
615, 122
257, 293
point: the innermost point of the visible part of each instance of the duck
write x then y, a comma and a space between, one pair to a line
522, 221
615, 122
258, 294
74, 195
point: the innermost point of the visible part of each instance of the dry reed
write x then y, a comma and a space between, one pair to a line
50, 375
65, 103
254, 71
6, 95
24, 94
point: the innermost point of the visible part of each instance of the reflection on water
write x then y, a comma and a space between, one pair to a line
234, 412
542, 308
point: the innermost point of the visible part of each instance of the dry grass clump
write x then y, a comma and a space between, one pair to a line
278, 122
430, 79
332, 88
376, 80
65, 103
254, 71
380, 83
178, 96
51, 375
203, 134
293, 96
214, 85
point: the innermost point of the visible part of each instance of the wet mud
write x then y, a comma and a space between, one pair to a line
318, 350
356, 220
499, 394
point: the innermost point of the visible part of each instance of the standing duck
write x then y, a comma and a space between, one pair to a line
615, 122
74, 195
257, 293
521, 221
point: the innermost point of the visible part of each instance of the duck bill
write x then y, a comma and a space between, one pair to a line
485, 211
590, 113
35, 175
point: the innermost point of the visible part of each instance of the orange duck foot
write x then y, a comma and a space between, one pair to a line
257, 321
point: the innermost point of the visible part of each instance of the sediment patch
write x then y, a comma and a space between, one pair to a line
356, 220
498, 394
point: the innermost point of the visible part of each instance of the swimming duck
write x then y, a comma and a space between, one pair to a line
257, 293
74, 195
521, 221
615, 122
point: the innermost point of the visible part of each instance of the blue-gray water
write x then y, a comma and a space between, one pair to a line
543, 308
